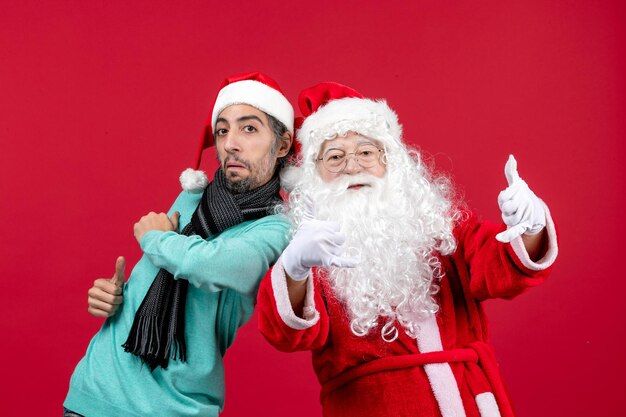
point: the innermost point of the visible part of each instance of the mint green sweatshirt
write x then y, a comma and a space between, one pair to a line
224, 273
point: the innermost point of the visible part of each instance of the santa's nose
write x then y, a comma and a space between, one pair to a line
352, 165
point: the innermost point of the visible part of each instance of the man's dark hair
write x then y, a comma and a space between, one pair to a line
279, 130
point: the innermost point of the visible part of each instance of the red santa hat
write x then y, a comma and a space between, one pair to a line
331, 109
255, 89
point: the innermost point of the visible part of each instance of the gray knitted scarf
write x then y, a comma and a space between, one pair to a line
158, 330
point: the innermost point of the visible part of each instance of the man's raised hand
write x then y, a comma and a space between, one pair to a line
105, 297
155, 221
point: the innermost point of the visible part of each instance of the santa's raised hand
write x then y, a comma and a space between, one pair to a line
315, 243
522, 211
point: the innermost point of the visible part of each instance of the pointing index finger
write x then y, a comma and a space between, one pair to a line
510, 170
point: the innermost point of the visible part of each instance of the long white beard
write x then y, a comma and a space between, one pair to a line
395, 239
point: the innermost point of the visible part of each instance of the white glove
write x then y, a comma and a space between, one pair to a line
315, 243
521, 210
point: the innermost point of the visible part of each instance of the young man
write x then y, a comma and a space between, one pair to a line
392, 307
160, 351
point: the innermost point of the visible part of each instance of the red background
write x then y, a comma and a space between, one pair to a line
102, 105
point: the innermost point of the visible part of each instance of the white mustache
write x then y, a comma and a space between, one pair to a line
341, 184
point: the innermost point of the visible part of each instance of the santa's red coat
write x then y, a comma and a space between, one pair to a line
450, 370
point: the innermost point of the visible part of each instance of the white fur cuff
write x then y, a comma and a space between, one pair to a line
281, 294
553, 248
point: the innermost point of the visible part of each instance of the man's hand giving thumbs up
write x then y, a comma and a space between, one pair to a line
105, 297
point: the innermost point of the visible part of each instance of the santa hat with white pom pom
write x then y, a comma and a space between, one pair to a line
255, 89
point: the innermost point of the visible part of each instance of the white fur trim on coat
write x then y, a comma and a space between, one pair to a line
487, 405
440, 376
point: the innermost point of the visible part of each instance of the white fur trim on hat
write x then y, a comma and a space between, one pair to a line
193, 181
255, 94
370, 118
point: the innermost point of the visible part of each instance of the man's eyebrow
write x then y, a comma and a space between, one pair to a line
241, 119
250, 117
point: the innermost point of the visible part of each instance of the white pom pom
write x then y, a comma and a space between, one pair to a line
193, 181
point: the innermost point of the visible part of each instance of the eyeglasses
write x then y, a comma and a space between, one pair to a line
336, 160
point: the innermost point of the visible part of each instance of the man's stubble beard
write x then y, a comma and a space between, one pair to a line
258, 175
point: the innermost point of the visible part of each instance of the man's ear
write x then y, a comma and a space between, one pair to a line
285, 145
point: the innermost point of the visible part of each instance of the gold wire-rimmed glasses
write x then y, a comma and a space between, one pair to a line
366, 155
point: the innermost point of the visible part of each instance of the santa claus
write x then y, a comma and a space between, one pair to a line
384, 277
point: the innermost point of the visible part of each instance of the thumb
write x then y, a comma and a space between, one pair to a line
510, 170
118, 278
511, 233
344, 262
174, 219
309, 208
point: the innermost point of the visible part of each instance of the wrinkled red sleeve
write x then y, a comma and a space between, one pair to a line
277, 321
501, 270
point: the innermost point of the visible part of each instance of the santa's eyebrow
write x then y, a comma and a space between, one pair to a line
368, 141
336, 147
359, 142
